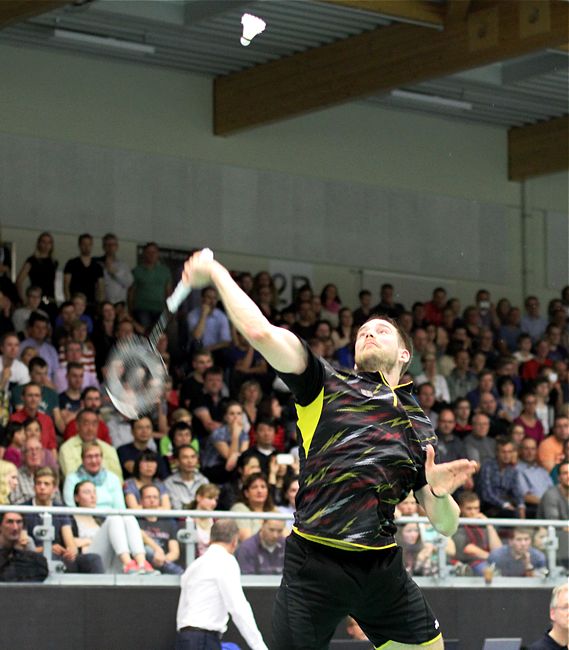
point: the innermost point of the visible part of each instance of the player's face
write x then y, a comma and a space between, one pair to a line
378, 347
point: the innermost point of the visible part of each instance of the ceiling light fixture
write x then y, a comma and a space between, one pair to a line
435, 100
252, 26
104, 41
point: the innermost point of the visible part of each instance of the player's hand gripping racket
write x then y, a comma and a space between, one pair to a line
135, 371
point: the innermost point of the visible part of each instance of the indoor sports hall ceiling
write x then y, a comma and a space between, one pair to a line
500, 62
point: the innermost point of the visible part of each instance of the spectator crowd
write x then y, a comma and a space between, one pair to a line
492, 378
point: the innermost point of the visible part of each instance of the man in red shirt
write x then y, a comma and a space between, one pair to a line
31, 397
434, 308
90, 399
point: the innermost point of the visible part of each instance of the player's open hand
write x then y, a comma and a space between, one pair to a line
445, 478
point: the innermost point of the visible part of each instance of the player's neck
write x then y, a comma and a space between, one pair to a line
391, 376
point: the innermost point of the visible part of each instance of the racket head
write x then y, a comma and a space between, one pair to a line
135, 377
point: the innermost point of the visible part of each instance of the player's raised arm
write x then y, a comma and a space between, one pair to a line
281, 348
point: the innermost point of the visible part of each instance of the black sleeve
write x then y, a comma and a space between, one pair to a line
306, 386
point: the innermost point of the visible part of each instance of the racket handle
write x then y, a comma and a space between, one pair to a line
182, 291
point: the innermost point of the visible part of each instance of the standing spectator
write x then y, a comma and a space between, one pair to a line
550, 450
518, 558
142, 440
263, 552
83, 274
532, 322
38, 331
70, 452
434, 308
31, 397
208, 326
554, 504
557, 636
32, 303
152, 285
534, 480
474, 543
117, 277
211, 590
183, 484
499, 484
479, 446
40, 268
461, 380
159, 535
528, 418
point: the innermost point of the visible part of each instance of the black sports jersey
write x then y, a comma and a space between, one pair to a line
361, 451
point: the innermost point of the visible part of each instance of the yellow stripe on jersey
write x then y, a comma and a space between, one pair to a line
385, 646
344, 546
308, 417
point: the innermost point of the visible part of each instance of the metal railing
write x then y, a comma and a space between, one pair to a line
187, 535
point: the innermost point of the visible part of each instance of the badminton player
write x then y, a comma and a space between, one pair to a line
364, 445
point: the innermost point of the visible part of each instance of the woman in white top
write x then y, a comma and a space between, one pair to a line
206, 499
429, 374
117, 537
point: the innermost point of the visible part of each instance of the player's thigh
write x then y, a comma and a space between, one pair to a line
437, 644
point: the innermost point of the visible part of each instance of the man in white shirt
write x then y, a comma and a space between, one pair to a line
211, 590
15, 371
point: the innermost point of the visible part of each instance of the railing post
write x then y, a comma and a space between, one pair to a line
188, 536
46, 533
443, 570
551, 546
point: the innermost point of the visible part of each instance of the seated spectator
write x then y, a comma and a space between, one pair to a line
555, 471
263, 552
38, 332
554, 504
450, 447
17, 564
550, 450
33, 458
544, 410
224, 446
499, 484
255, 497
430, 374
231, 492
12, 370
79, 335
31, 397
90, 399
79, 302
485, 345
245, 363
206, 499
63, 545
427, 398
474, 543
192, 386
528, 418
557, 351
159, 535
104, 338
21, 314
8, 481
362, 313
462, 412
183, 484
461, 379
142, 440
290, 491
65, 319
180, 433
509, 332
557, 637
434, 308
534, 480
70, 452
489, 406
417, 556
264, 447
145, 472
509, 406
531, 369
485, 385
208, 407
117, 538
518, 558
478, 445
15, 438
342, 335
271, 409
73, 354
250, 396
305, 323
108, 485
70, 399
279, 473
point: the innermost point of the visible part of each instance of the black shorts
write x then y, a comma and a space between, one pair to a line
322, 585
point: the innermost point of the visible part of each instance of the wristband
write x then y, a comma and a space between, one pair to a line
437, 496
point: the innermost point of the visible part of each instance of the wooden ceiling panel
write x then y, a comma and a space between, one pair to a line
14, 11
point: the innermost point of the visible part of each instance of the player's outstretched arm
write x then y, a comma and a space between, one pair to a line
281, 348
442, 480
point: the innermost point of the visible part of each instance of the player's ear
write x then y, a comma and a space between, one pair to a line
404, 355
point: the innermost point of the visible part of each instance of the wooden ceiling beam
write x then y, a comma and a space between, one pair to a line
457, 10
15, 11
420, 11
538, 149
386, 58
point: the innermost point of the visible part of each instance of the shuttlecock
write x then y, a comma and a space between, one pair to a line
252, 26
